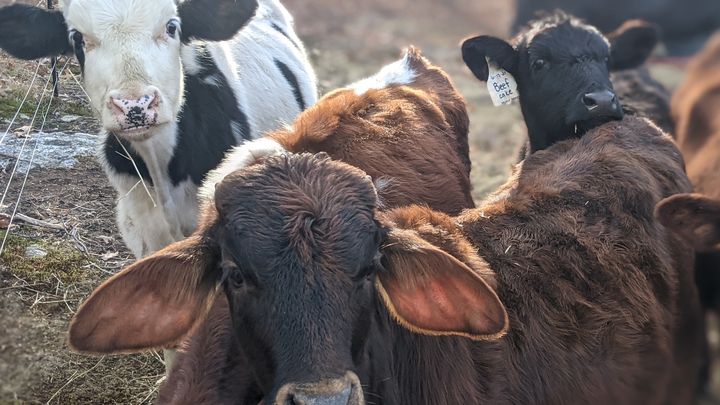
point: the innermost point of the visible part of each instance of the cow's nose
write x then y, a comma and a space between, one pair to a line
342, 391
135, 112
602, 103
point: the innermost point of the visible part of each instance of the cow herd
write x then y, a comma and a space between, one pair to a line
328, 251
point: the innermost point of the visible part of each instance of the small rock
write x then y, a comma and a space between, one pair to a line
109, 255
35, 252
23, 132
69, 118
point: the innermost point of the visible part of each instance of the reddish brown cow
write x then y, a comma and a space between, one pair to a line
696, 110
406, 127
334, 301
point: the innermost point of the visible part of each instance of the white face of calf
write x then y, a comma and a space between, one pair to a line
133, 72
130, 50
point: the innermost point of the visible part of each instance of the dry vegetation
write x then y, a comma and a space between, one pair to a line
74, 207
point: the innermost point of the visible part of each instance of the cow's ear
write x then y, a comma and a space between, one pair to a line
214, 20
694, 217
430, 292
632, 44
475, 50
150, 304
28, 32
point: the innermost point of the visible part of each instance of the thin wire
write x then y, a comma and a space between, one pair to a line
22, 147
12, 121
127, 154
32, 158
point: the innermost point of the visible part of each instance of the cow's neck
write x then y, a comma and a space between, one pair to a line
404, 367
157, 152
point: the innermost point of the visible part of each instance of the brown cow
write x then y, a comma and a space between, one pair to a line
209, 367
406, 126
696, 110
334, 301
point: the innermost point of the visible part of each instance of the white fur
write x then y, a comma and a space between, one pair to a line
241, 156
398, 73
129, 53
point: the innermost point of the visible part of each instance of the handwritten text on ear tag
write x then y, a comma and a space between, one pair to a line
501, 85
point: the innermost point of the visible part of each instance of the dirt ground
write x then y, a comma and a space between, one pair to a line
347, 40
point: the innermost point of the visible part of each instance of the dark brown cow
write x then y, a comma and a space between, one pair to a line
334, 301
696, 110
209, 367
406, 126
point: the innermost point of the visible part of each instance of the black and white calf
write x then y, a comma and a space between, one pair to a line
175, 85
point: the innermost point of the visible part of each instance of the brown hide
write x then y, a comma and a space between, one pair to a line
600, 297
411, 139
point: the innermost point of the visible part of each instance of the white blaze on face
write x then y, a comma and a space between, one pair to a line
133, 72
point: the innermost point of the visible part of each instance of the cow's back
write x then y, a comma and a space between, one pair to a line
591, 281
272, 76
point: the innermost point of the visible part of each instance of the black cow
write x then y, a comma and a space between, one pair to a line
562, 67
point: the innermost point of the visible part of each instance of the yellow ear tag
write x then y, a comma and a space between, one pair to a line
501, 85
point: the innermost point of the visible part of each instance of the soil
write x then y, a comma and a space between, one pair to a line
347, 40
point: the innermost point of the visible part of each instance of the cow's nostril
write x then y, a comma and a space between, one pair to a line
589, 101
602, 102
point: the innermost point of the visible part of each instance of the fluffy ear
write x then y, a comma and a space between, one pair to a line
152, 303
474, 51
431, 292
694, 217
214, 20
28, 32
632, 44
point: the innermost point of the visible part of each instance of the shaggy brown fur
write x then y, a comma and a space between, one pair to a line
414, 137
571, 237
599, 296
643, 96
411, 139
695, 108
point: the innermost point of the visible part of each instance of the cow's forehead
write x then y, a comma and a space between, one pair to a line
100, 17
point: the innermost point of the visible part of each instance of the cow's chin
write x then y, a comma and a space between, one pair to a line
136, 134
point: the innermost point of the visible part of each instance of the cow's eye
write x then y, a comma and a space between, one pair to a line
232, 273
236, 279
538, 64
172, 28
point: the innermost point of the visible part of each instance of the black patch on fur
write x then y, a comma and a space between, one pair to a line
116, 158
214, 20
285, 34
292, 80
28, 32
205, 130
